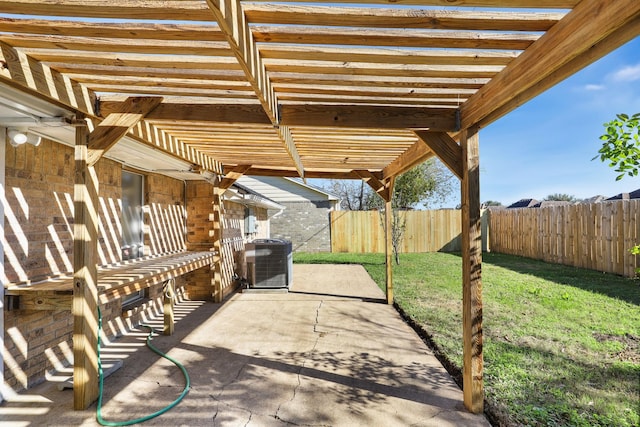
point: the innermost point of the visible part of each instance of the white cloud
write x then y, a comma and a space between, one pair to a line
594, 87
627, 74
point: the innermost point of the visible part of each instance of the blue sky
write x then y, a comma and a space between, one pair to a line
546, 145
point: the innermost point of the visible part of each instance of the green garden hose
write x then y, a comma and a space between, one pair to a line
187, 385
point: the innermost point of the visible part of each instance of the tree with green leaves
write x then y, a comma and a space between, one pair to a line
424, 184
621, 148
559, 197
427, 184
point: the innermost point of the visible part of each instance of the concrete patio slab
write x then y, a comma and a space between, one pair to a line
328, 353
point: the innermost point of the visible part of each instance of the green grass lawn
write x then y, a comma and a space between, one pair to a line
560, 343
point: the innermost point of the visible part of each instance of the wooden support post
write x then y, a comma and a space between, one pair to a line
471, 273
168, 296
217, 242
388, 237
85, 289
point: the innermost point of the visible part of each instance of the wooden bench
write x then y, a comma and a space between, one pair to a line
114, 281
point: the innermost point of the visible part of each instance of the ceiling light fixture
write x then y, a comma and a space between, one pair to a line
18, 137
34, 139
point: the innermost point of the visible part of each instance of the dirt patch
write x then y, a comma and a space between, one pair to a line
630, 352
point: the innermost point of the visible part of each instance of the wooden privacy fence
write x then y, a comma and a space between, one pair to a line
426, 231
596, 236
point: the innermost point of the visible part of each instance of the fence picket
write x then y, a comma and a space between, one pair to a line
594, 236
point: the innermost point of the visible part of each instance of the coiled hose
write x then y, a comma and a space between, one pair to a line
187, 385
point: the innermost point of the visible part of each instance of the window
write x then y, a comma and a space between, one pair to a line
132, 219
250, 225
132, 225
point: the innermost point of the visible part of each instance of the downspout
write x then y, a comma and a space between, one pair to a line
3, 141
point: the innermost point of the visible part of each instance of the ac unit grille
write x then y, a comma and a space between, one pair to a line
270, 263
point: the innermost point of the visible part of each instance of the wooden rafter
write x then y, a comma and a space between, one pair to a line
392, 37
142, 46
117, 124
401, 18
387, 55
191, 10
113, 30
235, 27
530, 4
22, 71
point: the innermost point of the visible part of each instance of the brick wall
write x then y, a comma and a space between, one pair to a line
200, 236
38, 243
306, 224
164, 215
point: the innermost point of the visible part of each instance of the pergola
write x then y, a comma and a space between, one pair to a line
345, 90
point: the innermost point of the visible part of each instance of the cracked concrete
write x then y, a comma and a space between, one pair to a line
328, 353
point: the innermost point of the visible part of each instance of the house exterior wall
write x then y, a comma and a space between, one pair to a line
38, 243
281, 189
305, 224
305, 221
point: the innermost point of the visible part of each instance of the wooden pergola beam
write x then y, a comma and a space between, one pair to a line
235, 27
587, 24
117, 124
231, 175
292, 173
445, 148
381, 188
316, 115
377, 117
416, 154
169, 112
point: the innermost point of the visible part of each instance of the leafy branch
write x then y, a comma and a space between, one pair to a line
621, 147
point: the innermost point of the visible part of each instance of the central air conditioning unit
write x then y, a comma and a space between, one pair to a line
269, 263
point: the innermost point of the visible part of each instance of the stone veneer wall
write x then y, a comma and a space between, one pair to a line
306, 224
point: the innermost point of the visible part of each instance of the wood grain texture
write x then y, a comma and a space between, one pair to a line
85, 277
117, 124
400, 18
445, 148
368, 117
472, 341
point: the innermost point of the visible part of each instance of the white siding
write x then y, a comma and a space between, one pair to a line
282, 190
